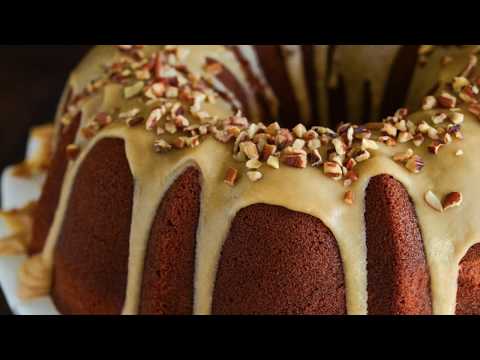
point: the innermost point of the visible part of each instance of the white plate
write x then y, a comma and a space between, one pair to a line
16, 193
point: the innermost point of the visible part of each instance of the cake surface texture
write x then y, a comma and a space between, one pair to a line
248, 179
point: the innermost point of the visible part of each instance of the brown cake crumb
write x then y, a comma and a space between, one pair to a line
398, 278
250, 280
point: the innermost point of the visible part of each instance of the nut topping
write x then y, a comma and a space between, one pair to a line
472, 62
103, 119
403, 157
249, 149
273, 162
254, 176
369, 145
459, 83
349, 197
161, 146
299, 131
340, 146
362, 156
404, 137
447, 100
432, 200
153, 119
172, 102
426, 49
475, 110
268, 150
315, 158
435, 147
134, 121
73, 151
429, 103
390, 130
231, 176
298, 144
294, 158
88, 132
439, 118
254, 164
129, 114
179, 143
332, 170
272, 129
415, 164
134, 90
418, 140
452, 200
457, 118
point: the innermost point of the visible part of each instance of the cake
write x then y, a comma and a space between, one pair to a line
272, 179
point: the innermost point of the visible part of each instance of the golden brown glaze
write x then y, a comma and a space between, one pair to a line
48, 201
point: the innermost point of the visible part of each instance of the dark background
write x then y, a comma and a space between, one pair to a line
31, 83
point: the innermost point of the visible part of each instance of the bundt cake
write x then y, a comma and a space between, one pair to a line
208, 180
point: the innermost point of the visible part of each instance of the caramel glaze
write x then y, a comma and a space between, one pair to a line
48, 202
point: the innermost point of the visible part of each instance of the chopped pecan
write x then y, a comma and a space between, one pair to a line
231, 176
452, 200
